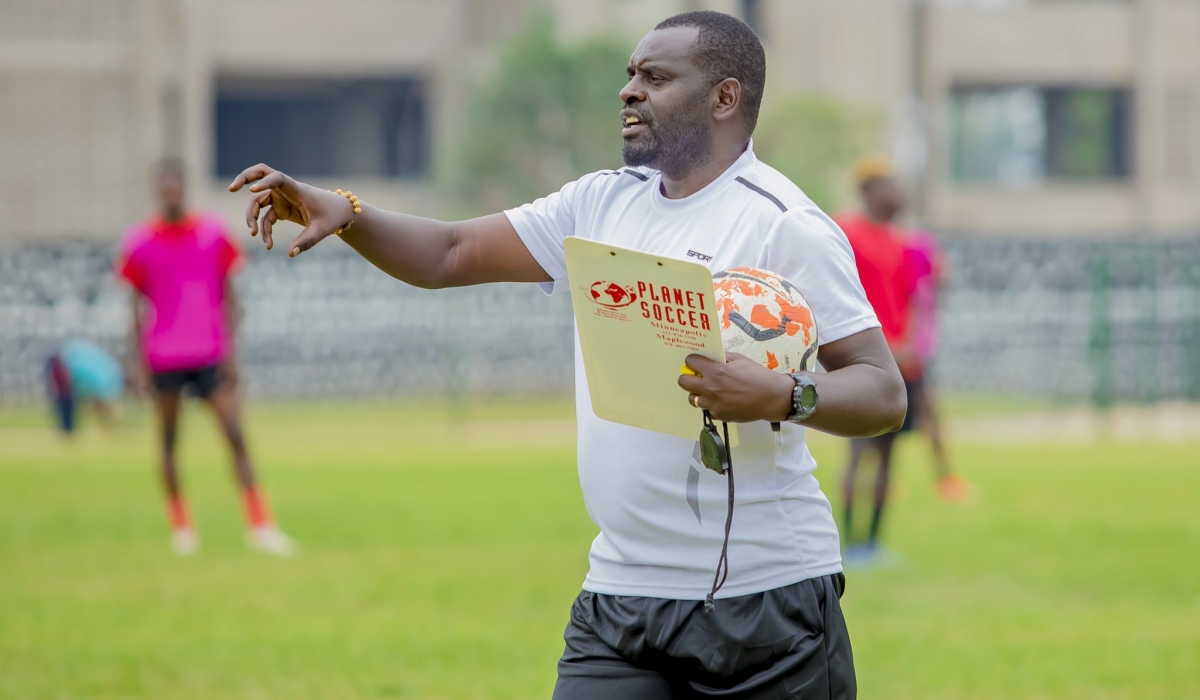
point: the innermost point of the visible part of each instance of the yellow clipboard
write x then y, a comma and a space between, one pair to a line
639, 316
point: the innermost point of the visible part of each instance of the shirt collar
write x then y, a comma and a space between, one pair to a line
739, 166
161, 226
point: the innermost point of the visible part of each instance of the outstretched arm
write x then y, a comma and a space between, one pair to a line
861, 392
422, 252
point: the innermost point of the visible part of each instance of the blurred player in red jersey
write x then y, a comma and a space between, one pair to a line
890, 268
184, 315
923, 256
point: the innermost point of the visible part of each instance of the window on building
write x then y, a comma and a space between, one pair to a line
323, 128
1025, 135
752, 15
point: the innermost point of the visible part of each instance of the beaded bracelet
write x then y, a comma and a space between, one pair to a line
353, 203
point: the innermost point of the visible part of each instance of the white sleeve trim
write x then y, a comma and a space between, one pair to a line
542, 252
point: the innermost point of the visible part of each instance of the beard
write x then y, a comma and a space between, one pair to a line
673, 143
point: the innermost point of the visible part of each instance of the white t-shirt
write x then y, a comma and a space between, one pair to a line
661, 513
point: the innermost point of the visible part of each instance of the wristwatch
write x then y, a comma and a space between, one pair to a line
804, 399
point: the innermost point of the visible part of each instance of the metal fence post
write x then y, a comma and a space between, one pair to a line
1100, 337
1149, 339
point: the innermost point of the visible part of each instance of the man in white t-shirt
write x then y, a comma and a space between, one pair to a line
691, 189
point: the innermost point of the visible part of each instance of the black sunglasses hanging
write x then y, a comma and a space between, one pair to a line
717, 456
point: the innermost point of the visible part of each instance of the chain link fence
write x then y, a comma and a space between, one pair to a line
1113, 320
1105, 321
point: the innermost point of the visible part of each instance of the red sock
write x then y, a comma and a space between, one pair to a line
256, 508
177, 511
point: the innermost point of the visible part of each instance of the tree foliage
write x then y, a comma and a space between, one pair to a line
813, 140
548, 115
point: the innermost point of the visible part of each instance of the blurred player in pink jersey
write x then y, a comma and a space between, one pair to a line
184, 315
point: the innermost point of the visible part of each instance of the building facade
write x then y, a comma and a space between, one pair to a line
1008, 117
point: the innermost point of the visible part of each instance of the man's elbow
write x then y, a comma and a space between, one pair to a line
440, 277
428, 282
894, 404
443, 273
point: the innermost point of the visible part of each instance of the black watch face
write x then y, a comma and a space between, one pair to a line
808, 397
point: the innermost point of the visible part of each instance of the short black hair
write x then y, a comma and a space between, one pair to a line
727, 48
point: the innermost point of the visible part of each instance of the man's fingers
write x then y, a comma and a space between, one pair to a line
308, 238
691, 384
273, 180
699, 363
254, 172
268, 227
698, 401
253, 207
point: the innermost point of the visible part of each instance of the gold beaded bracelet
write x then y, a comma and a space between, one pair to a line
353, 203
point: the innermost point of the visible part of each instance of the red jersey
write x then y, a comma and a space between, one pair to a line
886, 278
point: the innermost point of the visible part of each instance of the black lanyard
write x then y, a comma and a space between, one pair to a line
716, 455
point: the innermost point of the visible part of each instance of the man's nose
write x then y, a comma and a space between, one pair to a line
632, 93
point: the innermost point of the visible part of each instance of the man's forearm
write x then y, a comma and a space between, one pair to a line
859, 400
435, 254
422, 252
861, 395
412, 249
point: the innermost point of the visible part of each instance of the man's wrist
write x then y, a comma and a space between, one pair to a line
782, 404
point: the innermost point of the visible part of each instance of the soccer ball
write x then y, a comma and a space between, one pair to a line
765, 317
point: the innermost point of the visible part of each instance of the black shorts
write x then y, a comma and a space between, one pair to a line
205, 380
790, 642
915, 392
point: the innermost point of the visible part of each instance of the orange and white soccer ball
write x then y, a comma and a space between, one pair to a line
765, 317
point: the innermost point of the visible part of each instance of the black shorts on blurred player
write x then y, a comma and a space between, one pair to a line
786, 643
205, 381
915, 391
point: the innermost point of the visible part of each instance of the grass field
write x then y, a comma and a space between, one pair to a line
440, 562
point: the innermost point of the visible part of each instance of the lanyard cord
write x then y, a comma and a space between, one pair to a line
723, 563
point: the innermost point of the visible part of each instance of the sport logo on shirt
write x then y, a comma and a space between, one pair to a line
700, 256
612, 295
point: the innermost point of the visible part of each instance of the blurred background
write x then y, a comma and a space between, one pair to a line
1052, 146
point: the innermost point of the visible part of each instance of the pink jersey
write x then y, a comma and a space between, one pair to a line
181, 267
923, 258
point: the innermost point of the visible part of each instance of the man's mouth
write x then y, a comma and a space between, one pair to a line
630, 122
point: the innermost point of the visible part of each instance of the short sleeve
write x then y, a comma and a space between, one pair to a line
543, 224
128, 267
809, 249
229, 256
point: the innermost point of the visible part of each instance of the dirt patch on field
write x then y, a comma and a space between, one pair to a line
1173, 422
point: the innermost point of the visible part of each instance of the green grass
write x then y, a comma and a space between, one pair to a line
440, 562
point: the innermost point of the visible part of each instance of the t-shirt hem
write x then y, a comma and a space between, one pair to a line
160, 365
700, 592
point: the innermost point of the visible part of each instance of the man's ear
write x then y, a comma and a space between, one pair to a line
729, 99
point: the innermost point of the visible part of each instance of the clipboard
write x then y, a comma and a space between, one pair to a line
639, 316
